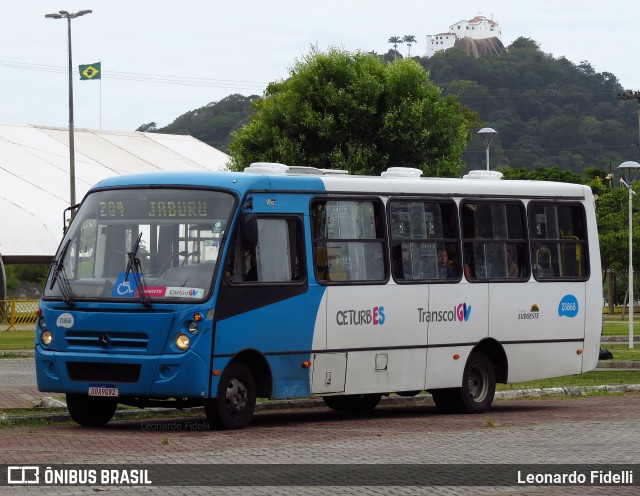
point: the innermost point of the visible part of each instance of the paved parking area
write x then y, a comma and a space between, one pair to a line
588, 430
585, 430
18, 387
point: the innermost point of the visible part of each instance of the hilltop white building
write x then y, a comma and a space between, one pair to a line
477, 28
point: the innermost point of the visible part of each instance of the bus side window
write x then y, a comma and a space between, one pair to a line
558, 241
348, 240
494, 240
322, 264
424, 240
276, 258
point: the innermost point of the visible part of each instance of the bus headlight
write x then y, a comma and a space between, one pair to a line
182, 342
46, 338
42, 323
193, 327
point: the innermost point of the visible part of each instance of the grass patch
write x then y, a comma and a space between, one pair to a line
613, 326
621, 351
17, 340
611, 377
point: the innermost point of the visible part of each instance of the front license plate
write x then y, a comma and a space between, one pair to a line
107, 390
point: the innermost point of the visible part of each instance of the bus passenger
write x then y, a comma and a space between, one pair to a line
512, 267
445, 268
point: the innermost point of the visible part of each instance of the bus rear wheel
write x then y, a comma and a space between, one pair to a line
89, 411
235, 403
477, 391
353, 402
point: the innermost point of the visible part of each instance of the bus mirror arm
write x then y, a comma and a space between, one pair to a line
66, 222
249, 229
248, 204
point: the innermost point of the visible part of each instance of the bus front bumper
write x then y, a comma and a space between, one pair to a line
184, 375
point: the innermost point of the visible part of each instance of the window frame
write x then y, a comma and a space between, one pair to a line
580, 242
379, 210
438, 241
521, 244
236, 239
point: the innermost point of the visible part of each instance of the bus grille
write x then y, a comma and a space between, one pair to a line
134, 341
103, 372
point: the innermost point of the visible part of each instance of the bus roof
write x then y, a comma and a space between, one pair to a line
397, 181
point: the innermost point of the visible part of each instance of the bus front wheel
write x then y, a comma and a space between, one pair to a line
235, 403
477, 391
89, 411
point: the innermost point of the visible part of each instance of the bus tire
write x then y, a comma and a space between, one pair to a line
478, 384
235, 403
353, 402
88, 411
477, 391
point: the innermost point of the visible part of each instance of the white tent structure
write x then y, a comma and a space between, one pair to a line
34, 178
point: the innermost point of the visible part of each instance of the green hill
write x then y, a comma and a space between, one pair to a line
213, 123
548, 111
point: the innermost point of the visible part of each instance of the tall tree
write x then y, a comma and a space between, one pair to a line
542, 174
395, 41
350, 111
613, 232
409, 39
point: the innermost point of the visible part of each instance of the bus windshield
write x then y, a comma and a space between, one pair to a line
147, 245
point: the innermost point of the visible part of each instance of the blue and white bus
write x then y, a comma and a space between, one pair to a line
214, 289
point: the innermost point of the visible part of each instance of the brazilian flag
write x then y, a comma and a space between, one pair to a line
90, 71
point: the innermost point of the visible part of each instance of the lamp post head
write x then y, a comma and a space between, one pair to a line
630, 170
63, 14
487, 134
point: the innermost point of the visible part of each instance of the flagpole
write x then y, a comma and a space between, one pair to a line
93, 71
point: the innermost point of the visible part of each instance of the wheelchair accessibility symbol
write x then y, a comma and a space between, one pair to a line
125, 288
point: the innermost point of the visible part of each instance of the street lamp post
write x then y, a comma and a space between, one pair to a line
630, 170
487, 134
63, 14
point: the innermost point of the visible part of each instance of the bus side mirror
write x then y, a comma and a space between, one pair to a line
249, 230
66, 219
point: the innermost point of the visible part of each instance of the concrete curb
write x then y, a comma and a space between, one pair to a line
567, 391
18, 353
618, 339
613, 364
424, 399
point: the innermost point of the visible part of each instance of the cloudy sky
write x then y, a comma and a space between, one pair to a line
163, 58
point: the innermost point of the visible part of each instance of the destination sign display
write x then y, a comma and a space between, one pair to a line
153, 209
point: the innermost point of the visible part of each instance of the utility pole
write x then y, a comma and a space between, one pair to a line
631, 168
63, 14
632, 95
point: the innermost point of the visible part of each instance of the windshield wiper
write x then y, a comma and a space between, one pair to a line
59, 274
135, 267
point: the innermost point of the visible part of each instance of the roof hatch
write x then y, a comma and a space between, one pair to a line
403, 172
282, 169
487, 175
